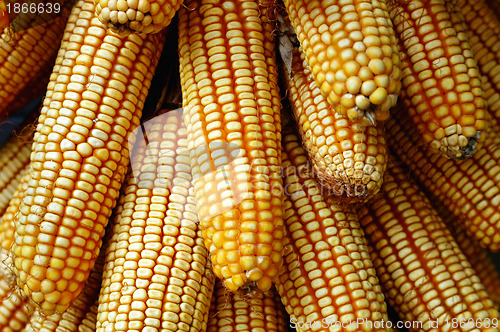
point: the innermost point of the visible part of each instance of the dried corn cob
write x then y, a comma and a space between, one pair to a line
14, 157
478, 256
424, 274
328, 278
80, 154
468, 188
89, 322
256, 311
232, 111
484, 34
348, 157
442, 88
495, 7
73, 317
352, 51
7, 227
25, 56
156, 275
137, 16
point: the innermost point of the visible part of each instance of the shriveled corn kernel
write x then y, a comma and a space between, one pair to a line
424, 274
431, 33
327, 275
235, 171
34, 260
346, 40
157, 257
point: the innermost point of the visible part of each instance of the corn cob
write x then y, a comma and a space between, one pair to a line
14, 157
156, 275
424, 274
15, 308
25, 56
89, 322
327, 279
478, 256
93, 102
348, 158
442, 88
70, 319
232, 113
7, 228
144, 16
484, 35
4, 18
257, 311
352, 51
468, 188
495, 7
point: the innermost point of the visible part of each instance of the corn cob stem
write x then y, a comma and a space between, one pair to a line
424, 274
442, 88
348, 157
256, 311
157, 274
139, 16
468, 188
94, 101
352, 51
328, 278
232, 104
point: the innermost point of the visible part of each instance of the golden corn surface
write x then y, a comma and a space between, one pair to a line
7, 227
15, 308
351, 49
479, 258
424, 274
136, 16
71, 319
484, 34
157, 275
232, 112
80, 156
469, 189
256, 311
25, 56
327, 282
348, 157
442, 90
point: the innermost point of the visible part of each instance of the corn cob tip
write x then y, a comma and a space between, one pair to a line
466, 151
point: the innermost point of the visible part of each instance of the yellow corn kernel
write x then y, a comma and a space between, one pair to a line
14, 158
256, 311
232, 112
468, 188
327, 276
348, 157
479, 258
7, 227
26, 56
424, 274
80, 155
136, 16
483, 29
352, 51
442, 87
15, 307
156, 275
73, 317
